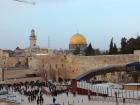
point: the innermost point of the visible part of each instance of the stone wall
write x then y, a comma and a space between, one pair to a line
72, 66
86, 63
24, 80
18, 74
64, 66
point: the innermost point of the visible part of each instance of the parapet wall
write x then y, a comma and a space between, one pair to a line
17, 74
105, 59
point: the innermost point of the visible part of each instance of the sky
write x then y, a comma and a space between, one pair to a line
97, 20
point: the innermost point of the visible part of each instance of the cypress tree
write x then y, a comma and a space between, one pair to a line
111, 46
115, 49
89, 50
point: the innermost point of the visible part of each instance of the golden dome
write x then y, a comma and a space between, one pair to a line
78, 39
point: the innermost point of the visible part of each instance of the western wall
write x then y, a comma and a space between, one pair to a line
85, 63
53, 66
71, 66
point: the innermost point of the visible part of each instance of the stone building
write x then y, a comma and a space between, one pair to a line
33, 39
4, 54
77, 41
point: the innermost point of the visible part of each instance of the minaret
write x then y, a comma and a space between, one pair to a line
33, 39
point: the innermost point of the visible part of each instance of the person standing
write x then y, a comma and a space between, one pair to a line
123, 101
67, 93
38, 100
29, 99
54, 100
89, 98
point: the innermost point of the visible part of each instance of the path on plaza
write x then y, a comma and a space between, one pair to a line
63, 99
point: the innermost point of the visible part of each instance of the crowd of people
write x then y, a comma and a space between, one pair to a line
33, 91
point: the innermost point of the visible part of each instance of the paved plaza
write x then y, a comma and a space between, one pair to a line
63, 99
32, 95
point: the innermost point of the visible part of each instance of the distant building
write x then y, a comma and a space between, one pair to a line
33, 39
77, 41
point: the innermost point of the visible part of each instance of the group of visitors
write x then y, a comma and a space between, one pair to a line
33, 90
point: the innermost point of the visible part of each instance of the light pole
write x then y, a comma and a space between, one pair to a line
116, 98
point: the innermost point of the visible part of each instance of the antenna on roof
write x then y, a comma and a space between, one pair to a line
48, 42
137, 34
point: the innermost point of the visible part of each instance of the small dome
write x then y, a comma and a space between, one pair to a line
78, 39
32, 30
32, 33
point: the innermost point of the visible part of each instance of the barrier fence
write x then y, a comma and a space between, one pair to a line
112, 92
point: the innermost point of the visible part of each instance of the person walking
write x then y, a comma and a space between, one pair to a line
37, 101
89, 98
42, 100
54, 100
29, 99
123, 101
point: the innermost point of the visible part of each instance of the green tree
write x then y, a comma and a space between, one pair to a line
76, 51
105, 52
115, 49
130, 45
89, 51
111, 46
133, 44
123, 49
97, 52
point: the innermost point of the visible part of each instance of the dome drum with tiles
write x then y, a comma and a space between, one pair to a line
77, 41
